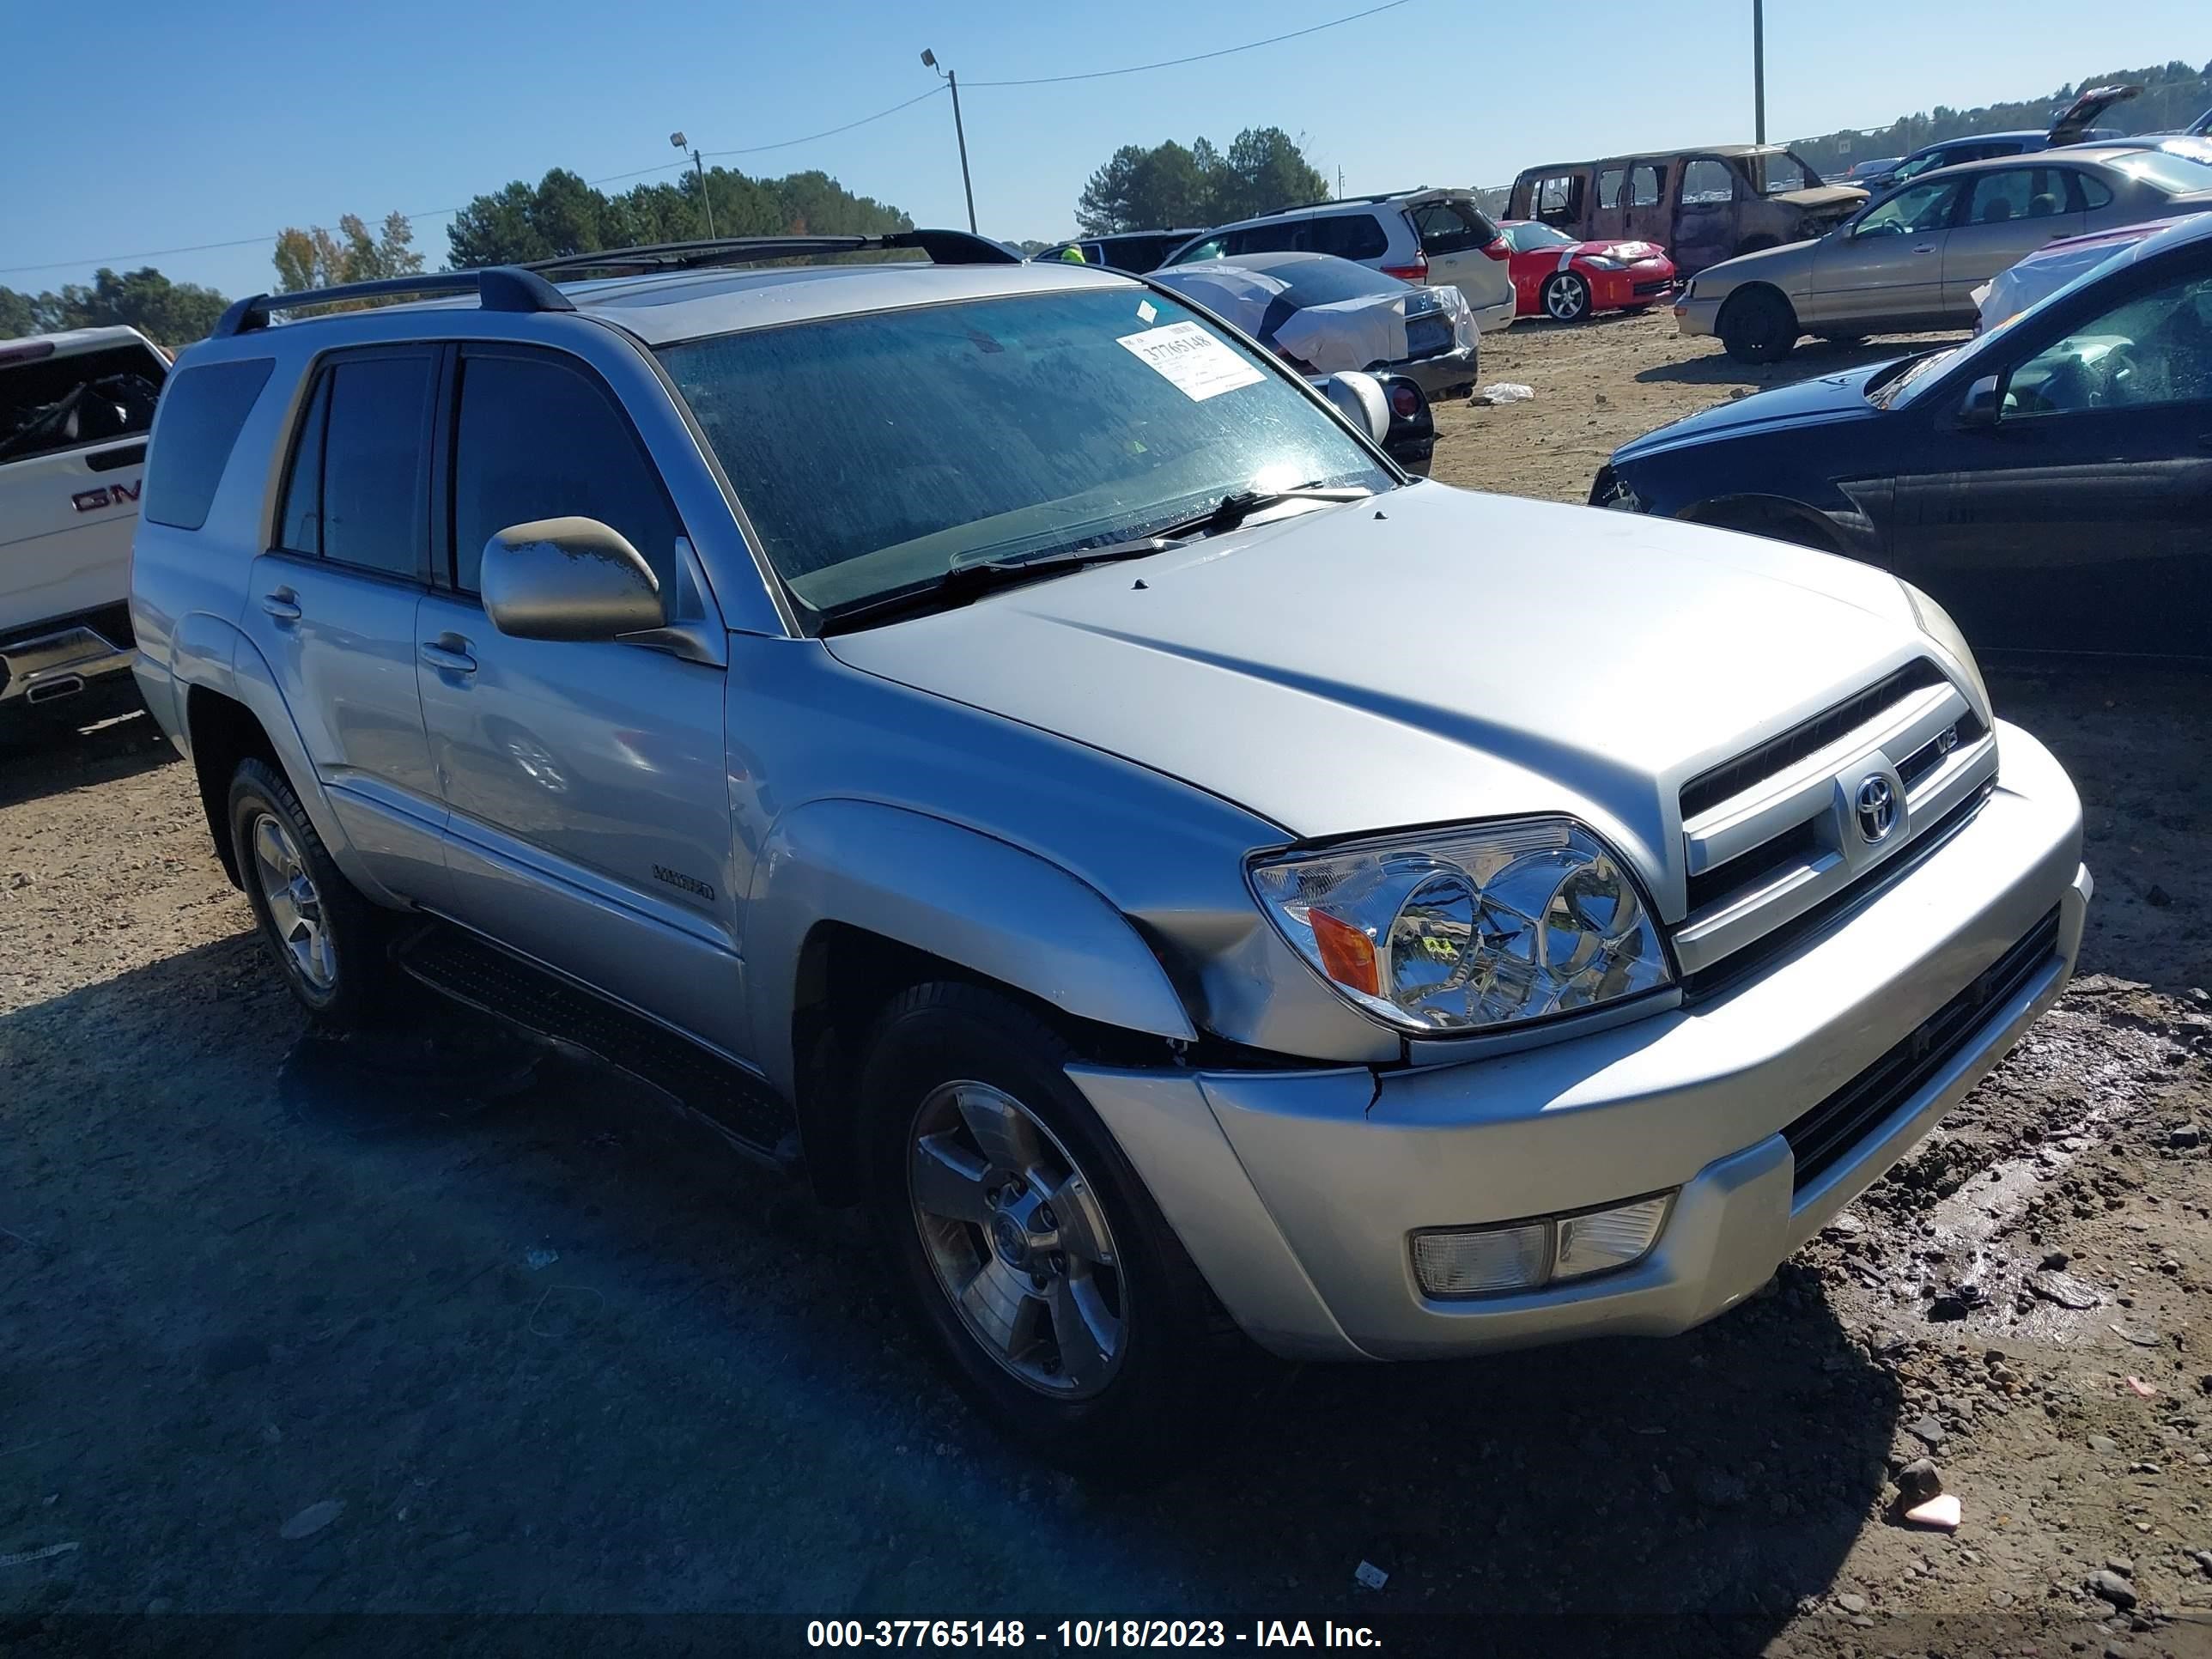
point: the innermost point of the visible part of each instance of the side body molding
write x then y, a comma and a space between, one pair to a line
954, 892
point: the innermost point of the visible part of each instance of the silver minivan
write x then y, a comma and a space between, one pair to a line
1017, 758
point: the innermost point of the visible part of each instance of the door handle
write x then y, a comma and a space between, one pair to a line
1926, 248
283, 604
449, 654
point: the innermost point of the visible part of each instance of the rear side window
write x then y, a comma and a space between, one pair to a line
523, 422
203, 410
2089, 192
1456, 228
1276, 236
356, 492
1349, 236
1644, 184
1608, 186
50, 402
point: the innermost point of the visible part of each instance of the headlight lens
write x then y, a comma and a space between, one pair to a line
1603, 261
1453, 931
1936, 623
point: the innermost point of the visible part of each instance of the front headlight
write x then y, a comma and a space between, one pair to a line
1936, 623
1455, 930
1603, 261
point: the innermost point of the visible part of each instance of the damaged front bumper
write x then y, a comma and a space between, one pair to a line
1297, 1192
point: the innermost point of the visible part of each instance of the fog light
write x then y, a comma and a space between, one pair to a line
1525, 1256
1472, 1263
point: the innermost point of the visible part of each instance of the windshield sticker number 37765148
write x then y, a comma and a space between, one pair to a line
1198, 365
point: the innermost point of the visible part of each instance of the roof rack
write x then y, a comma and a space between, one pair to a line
943, 247
1347, 201
498, 287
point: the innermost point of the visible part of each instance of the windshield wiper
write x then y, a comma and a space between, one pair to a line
964, 583
1234, 508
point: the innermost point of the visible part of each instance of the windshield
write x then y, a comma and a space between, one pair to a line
1773, 172
1526, 239
2164, 170
874, 453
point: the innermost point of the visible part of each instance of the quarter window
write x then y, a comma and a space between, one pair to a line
538, 439
203, 411
2089, 192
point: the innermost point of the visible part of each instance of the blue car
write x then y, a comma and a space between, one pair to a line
2049, 482
2070, 127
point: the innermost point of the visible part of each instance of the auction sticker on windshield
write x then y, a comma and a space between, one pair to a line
1198, 364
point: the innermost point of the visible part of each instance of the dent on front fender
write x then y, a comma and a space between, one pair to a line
937, 886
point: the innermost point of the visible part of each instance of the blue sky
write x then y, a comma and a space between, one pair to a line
231, 121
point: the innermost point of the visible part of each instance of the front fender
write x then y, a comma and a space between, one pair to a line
955, 893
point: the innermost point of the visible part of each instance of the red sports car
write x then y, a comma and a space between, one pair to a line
1556, 276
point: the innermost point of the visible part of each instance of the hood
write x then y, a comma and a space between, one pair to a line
1843, 196
2073, 122
1629, 250
1789, 267
1427, 657
1829, 397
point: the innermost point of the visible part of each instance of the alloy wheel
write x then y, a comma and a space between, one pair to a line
1563, 298
295, 909
1017, 1240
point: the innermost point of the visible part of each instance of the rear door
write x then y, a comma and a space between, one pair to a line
1645, 217
589, 792
73, 428
1609, 217
2007, 215
331, 606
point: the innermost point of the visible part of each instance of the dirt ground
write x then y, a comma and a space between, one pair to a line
439, 1329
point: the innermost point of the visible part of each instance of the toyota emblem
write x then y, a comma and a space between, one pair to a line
1877, 808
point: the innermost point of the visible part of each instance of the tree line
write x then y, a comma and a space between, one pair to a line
1170, 187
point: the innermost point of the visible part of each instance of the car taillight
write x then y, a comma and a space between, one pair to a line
1498, 248
1405, 402
1416, 272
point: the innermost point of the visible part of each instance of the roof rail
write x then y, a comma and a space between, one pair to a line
943, 247
498, 287
1346, 201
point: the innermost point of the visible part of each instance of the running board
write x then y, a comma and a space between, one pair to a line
571, 1020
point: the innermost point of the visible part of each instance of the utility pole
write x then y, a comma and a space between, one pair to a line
1759, 70
959, 132
679, 142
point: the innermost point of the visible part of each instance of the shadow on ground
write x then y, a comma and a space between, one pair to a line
553, 1349
111, 738
1811, 358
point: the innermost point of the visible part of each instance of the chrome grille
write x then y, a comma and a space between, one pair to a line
1823, 810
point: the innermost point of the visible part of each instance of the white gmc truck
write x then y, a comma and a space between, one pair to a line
74, 410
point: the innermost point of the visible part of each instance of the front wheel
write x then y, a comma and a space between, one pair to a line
1758, 326
1566, 297
1028, 1250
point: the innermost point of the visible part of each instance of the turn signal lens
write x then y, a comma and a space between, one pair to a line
1605, 1239
1348, 955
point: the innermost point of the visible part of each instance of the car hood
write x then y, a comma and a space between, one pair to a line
1629, 249
1828, 398
1821, 195
1789, 267
1427, 657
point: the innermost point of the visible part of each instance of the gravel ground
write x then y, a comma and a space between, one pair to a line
290, 1328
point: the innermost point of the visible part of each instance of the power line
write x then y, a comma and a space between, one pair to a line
1195, 58
755, 149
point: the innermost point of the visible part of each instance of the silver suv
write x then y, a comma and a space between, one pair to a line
1007, 748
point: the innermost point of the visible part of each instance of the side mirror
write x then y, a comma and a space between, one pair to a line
1360, 396
568, 579
1984, 403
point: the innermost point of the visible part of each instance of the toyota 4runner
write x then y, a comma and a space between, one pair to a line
1003, 746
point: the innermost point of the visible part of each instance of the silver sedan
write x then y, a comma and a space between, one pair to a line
1913, 259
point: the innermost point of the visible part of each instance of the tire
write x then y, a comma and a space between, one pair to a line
1566, 297
1106, 1356
328, 940
1758, 326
